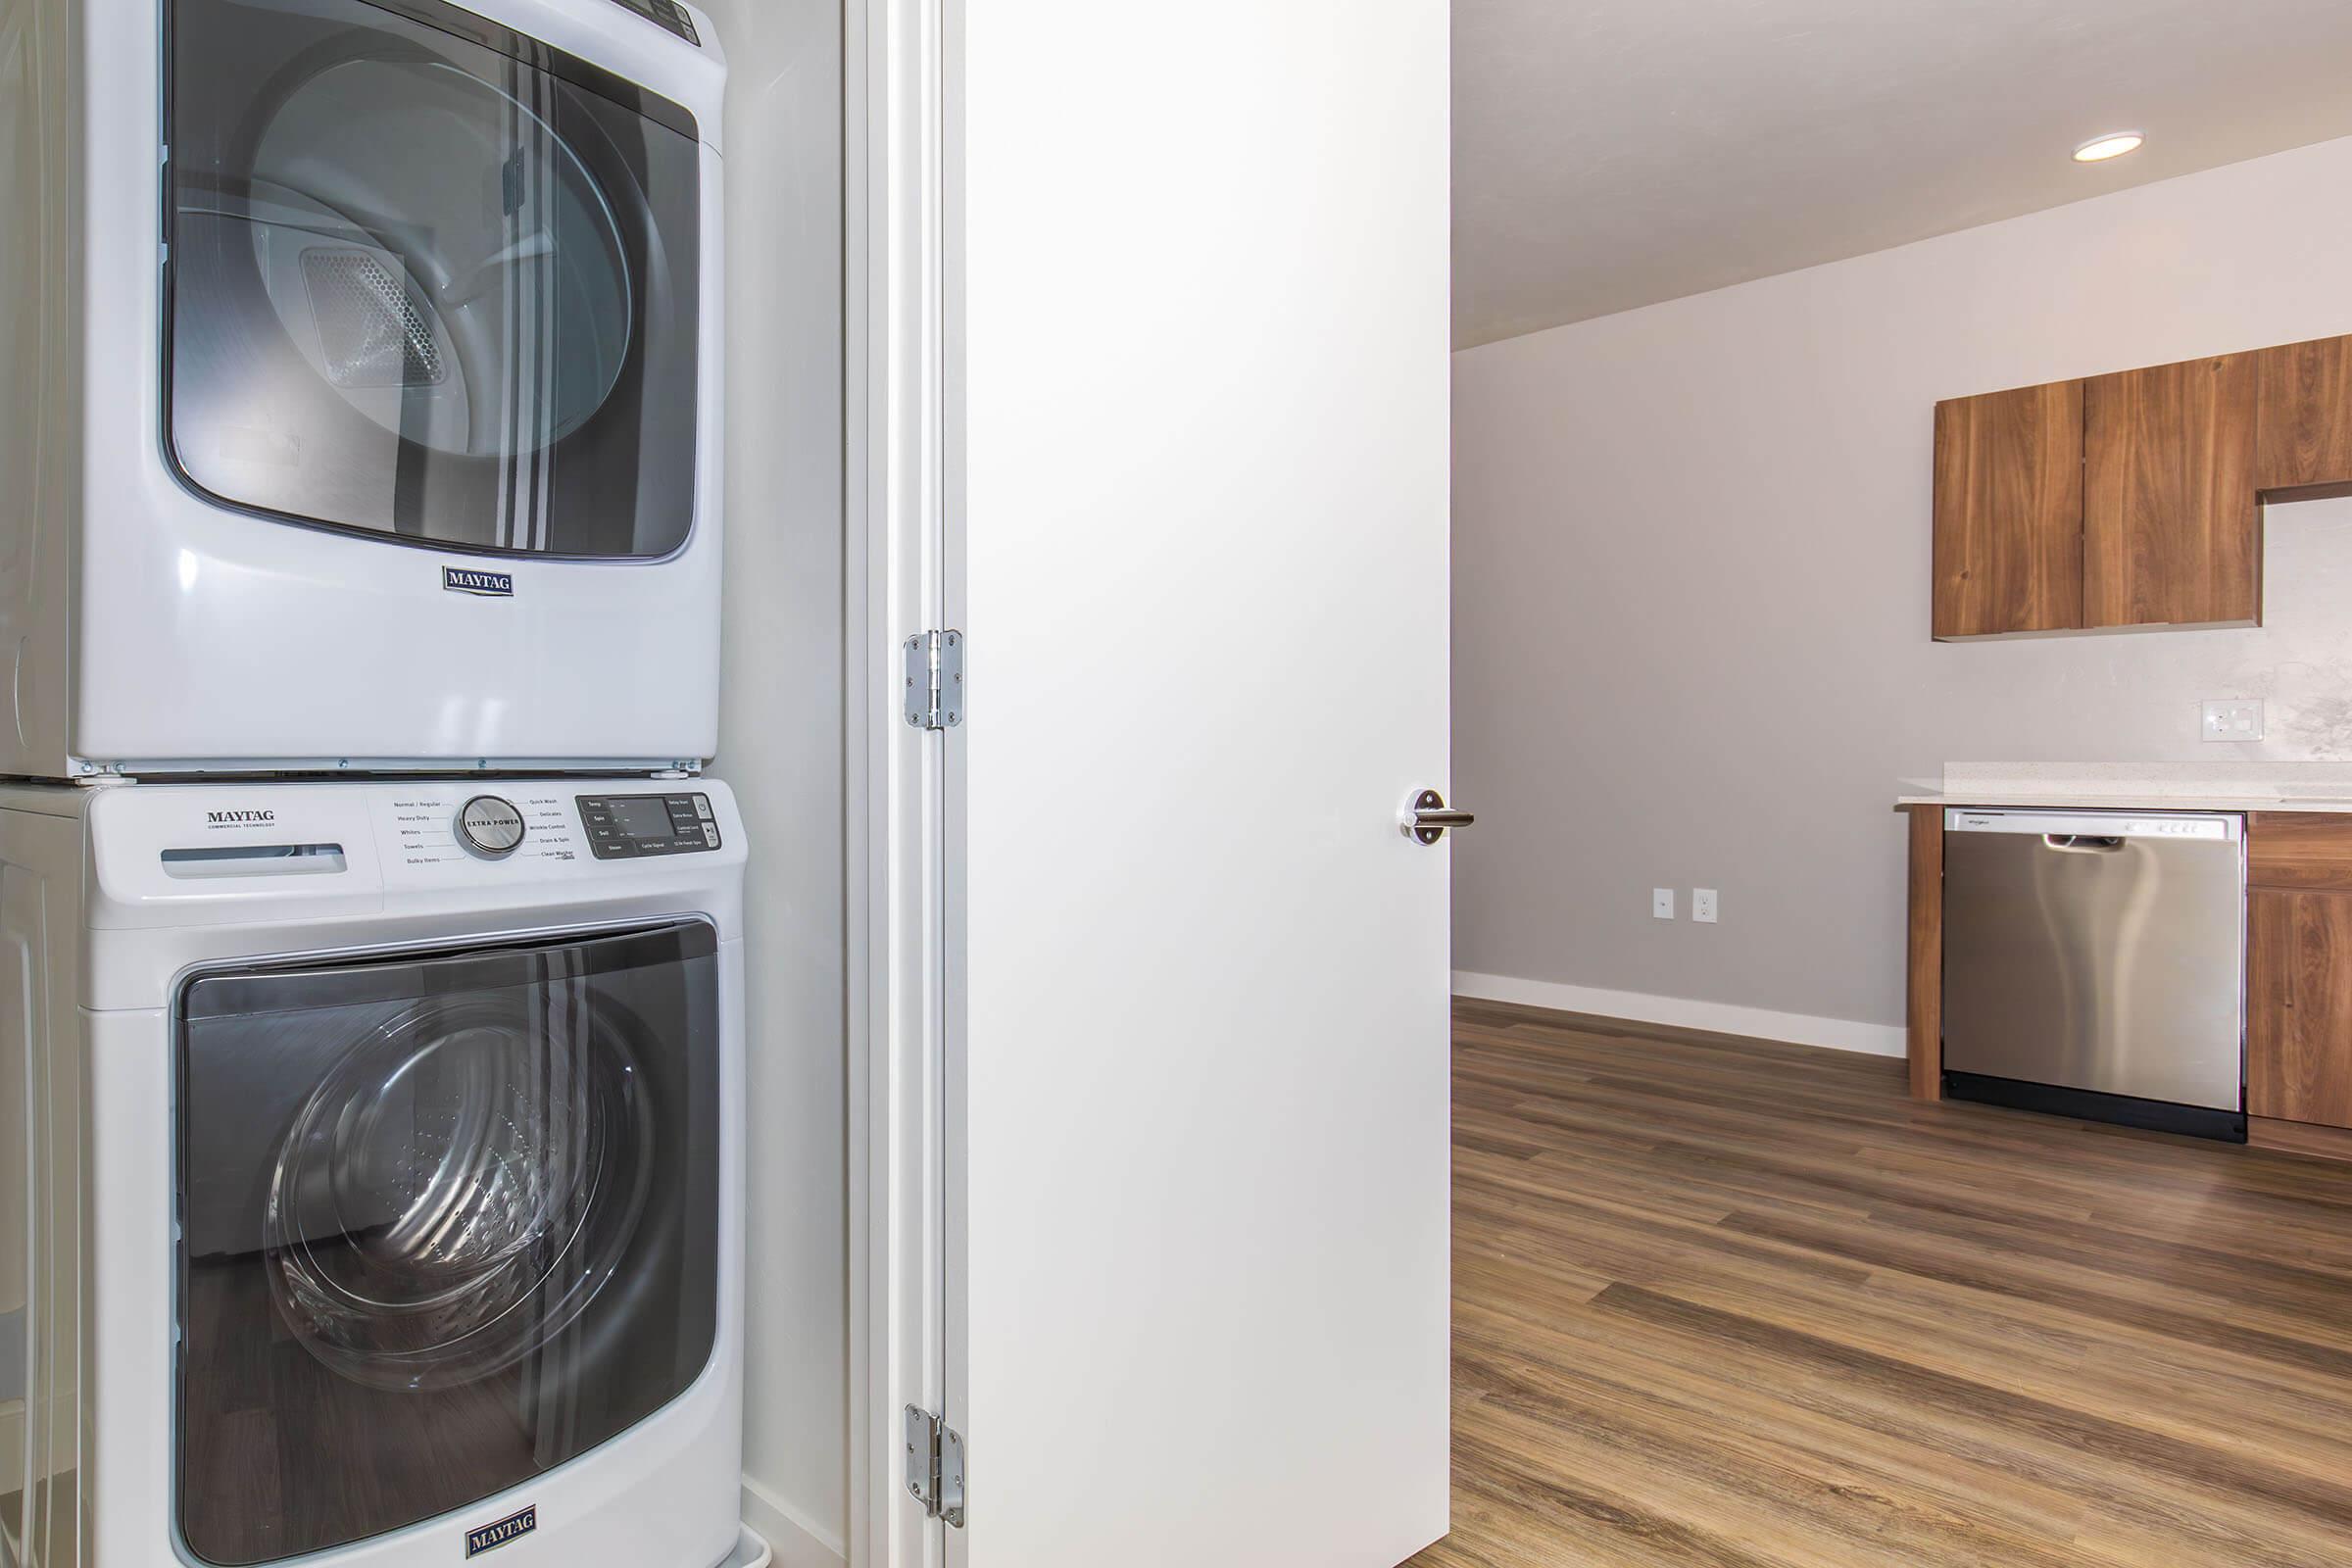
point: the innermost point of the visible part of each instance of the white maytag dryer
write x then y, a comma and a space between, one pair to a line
359, 368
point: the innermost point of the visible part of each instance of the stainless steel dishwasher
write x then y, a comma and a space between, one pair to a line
2094, 966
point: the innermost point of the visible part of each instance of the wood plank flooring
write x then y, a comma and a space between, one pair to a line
1728, 1303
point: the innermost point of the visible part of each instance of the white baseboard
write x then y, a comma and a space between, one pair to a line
1721, 1017
796, 1542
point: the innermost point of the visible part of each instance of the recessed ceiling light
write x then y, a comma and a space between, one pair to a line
2114, 144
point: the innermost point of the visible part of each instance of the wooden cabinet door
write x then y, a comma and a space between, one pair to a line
2299, 1008
2171, 527
2009, 511
2303, 419
2299, 852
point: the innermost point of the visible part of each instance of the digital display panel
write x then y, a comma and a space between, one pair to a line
631, 827
642, 816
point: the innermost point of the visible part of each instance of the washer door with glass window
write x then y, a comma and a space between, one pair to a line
449, 1221
429, 281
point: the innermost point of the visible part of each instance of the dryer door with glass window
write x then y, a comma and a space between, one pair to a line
428, 280
449, 1221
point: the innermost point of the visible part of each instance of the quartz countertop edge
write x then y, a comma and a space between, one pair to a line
2064, 801
2239, 784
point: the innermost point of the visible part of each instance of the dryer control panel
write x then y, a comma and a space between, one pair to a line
625, 827
667, 14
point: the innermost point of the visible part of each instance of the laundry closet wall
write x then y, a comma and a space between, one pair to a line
780, 746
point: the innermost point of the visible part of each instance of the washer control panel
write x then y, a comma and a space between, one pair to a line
426, 830
490, 827
624, 827
166, 855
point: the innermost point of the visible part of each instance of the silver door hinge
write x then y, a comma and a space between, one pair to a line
935, 679
935, 1466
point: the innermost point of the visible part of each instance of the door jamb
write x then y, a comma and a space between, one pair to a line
892, 396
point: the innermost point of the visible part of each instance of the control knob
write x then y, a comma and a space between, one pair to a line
490, 827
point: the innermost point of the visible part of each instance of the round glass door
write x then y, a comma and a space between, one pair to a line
457, 1189
426, 286
447, 1221
427, 320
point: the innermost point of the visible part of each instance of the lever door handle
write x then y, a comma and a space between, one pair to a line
1428, 817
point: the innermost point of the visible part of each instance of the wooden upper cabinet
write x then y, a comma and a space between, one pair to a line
2009, 511
2172, 531
2304, 416
2134, 499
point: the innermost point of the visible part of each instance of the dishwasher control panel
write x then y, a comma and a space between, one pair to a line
2218, 829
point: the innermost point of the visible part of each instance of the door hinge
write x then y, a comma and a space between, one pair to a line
935, 679
935, 1466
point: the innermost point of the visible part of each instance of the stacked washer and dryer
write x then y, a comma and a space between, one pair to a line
371, 1013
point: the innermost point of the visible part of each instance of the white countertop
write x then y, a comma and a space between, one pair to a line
2060, 799
2139, 786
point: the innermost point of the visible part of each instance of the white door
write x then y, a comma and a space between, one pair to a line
1195, 1115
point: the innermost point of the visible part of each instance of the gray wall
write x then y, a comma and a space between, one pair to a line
12, 1356
1691, 584
781, 744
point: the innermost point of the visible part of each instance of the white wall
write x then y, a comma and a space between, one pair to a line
780, 746
1691, 585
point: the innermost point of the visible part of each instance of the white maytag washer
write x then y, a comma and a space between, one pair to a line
365, 356
377, 1198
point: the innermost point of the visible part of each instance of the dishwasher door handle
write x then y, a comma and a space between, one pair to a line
2083, 843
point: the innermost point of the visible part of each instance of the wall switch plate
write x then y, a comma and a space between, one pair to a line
1702, 906
2233, 720
1661, 903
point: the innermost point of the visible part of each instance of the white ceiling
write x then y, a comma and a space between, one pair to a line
1615, 153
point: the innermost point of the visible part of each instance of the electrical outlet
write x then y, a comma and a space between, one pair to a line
2233, 720
1702, 906
1661, 903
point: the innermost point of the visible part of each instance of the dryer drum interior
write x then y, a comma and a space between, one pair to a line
448, 1222
424, 287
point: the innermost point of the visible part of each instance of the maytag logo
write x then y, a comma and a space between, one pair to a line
513, 1527
238, 818
489, 584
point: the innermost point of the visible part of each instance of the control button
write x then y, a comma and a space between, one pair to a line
702, 807
490, 827
711, 837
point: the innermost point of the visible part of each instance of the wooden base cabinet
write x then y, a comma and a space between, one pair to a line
2299, 1008
1924, 992
2299, 968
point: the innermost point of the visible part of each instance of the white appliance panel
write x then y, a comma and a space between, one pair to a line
94, 902
207, 639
